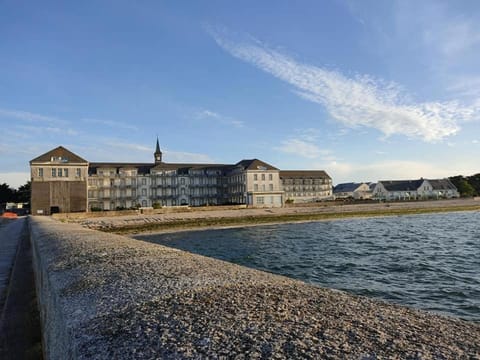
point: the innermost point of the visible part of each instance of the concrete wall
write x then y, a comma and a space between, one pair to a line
105, 296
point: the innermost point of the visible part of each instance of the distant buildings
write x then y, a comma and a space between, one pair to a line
64, 182
357, 191
415, 189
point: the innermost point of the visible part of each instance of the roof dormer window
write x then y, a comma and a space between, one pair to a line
58, 159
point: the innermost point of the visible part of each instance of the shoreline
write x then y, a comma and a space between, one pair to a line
218, 219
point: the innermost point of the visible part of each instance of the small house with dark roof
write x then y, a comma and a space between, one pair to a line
415, 189
352, 190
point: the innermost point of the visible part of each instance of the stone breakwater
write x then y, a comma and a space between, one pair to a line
105, 296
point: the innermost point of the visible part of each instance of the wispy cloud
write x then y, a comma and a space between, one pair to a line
304, 144
46, 130
186, 157
28, 116
110, 123
395, 170
128, 146
453, 36
136, 152
359, 100
215, 116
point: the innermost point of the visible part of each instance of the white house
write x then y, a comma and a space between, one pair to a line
415, 189
352, 190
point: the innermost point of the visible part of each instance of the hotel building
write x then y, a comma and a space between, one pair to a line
64, 182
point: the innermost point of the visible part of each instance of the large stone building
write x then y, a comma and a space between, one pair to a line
73, 184
59, 182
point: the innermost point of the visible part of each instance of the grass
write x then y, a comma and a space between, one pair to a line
268, 219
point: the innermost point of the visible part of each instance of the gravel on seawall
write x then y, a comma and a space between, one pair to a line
126, 299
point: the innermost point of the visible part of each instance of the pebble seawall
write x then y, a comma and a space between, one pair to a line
105, 296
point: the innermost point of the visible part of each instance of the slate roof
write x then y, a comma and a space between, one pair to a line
303, 174
442, 184
255, 164
402, 185
143, 168
59, 152
346, 187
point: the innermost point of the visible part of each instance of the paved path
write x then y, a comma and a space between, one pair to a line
20, 336
10, 231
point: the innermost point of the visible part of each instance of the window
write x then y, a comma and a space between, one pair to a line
270, 177
255, 187
144, 181
255, 177
263, 187
263, 176
270, 187
182, 181
144, 203
260, 200
183, 190
65, 172
54, 172
59, 172
78, 172
40, 172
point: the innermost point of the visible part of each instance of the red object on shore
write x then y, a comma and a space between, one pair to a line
10, 215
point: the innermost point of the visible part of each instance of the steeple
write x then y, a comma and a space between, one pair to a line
157, 153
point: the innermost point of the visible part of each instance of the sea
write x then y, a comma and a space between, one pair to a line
429, 262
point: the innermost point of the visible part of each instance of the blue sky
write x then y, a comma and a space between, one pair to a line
366, 90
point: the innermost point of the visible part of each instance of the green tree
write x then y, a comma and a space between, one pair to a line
23, 193
474, 180
7, 194
465, 189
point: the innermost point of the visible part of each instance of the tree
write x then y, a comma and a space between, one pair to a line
7, 194
23, 193
465, 189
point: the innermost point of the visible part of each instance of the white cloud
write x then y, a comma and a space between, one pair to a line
453, 35
28, 116
110, 123
304, 145
125, 152
222, 119
47, 130
186, 157
358, 100
394, 170
301, 147
129, 146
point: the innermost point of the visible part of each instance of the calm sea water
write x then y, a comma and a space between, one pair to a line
430, 262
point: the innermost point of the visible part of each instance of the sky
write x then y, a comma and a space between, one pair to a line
365, 90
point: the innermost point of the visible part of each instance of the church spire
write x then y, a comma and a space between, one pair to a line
157, 154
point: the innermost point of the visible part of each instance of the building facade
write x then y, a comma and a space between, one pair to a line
415, 189
59, 182
357, 191
302, 186
112, 186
